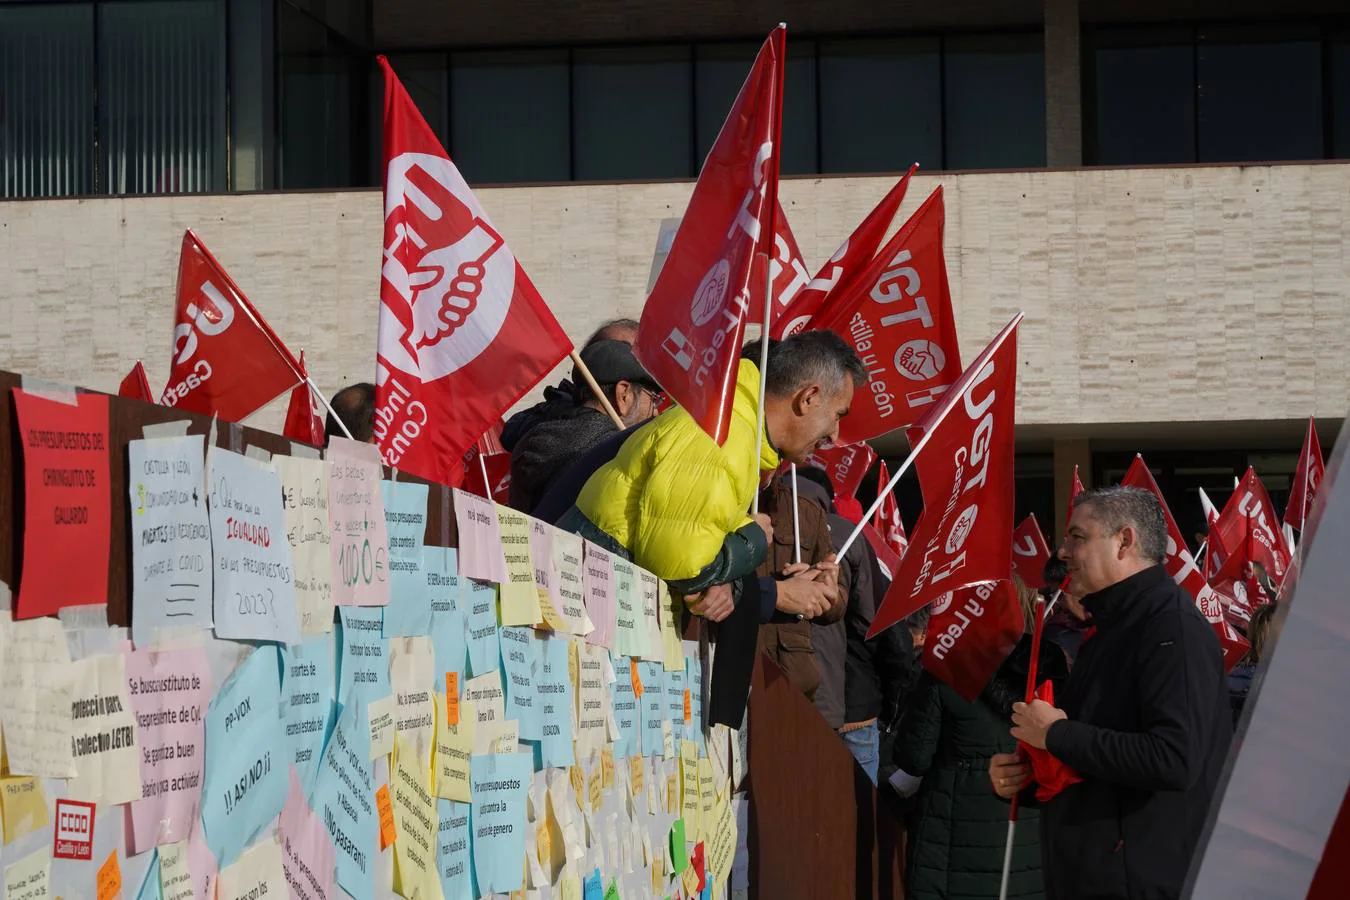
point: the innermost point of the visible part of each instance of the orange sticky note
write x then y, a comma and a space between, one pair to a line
386, 808
607, 767
452, 698
109, 878
637, 679
688, 707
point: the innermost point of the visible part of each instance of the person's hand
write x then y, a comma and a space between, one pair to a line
795, 569
1008, 774
829, 570
714, 604
804, 597
1032, 720
766, 523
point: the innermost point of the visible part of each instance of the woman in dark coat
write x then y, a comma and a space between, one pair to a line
959, 828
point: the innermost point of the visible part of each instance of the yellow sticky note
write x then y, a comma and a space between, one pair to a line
518, 595
637, 775
672, 792
22, 806
30, 877
109, 878
386, 809
414, 808
595, 789
690, 806
706, 796
569, 887
672, 648
689, 880
550, 617
454, 745
607, 767
578, 779
721, 840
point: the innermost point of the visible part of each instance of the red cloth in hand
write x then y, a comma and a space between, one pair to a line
1050, 774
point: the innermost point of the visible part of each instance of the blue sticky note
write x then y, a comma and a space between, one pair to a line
626, 714
693, 680
452, 844
520, 653
365, 654
652, 706
447, 619
480, 625
499, 784
150, 885
675, 704
248, 759
592, 888
344, 800
554, 687
405, 518
307, 702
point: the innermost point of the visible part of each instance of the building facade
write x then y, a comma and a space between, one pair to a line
1156, 184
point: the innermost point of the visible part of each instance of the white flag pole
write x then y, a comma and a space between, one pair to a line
796, 521
763, 383
314, 389
487, 484
1007, 860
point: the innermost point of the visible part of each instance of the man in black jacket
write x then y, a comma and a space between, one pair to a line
1143, 718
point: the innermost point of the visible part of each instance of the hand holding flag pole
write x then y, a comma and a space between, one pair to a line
324, 400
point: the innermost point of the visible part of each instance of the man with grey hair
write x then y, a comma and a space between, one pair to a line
1143, 719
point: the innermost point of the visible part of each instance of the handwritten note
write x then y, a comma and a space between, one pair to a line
67, 503
103, 733
500, 785
411, 677
30, 877
453, 841
448, 643
344, 799
23, 807
304, 504
360, 548
598, 578
545, 579
480, 541
35, 704
593, 706
254, 580
175, 877
629, 639
672, 614
554, 689
405, 517
415, 813
481, 626
519, 598
650, 590
307, 712
454, 746
259, 873
520, 652
570, 589
308, 857
170, 535
169, 692
364, 670
245, 779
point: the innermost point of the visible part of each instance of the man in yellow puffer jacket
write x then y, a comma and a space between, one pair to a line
677, 504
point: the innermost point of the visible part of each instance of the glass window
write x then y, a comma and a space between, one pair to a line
1142, 97
880, 109
47, 107
322, 95
1260, 95
1340, 94
633, 113
719, 72
509, 116
162, 96
994, 95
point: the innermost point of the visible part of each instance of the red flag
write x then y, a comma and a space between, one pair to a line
966, 474
226, 359
690, 334
898, 316
463, 333
497, 467
846, 464
1030, 553
304, 417
787, 270
1307, 478
887, 520
1075, 488
1181, 566
136, 386
1249, 532
886, 557
836, 277
970, 633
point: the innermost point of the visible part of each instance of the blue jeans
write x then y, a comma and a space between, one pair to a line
865, 745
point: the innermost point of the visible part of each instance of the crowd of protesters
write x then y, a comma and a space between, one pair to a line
1114, 770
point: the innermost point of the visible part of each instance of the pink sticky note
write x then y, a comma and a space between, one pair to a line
360, 547
307, 851
169, 690
541, 551
480, 538
598, 578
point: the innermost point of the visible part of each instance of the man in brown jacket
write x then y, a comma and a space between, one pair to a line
801, 593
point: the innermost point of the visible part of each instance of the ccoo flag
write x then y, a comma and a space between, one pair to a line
463, 333
690, 335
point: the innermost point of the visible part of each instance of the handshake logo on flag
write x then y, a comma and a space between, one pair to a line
447, 282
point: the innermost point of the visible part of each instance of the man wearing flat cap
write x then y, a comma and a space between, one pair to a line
553, 444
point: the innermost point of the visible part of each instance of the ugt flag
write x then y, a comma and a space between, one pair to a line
1307, 478
966, 475
136, 386
227, 361
463, 333
690, 335
846, 464
971, 631
887, 521
1249, 532
1030, 553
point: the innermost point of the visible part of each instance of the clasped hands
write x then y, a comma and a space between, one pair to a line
805, 591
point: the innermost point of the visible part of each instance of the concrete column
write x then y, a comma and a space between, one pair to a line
1063, 85
1069, 452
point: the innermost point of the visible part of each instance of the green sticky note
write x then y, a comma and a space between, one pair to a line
612, 892
679, 851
